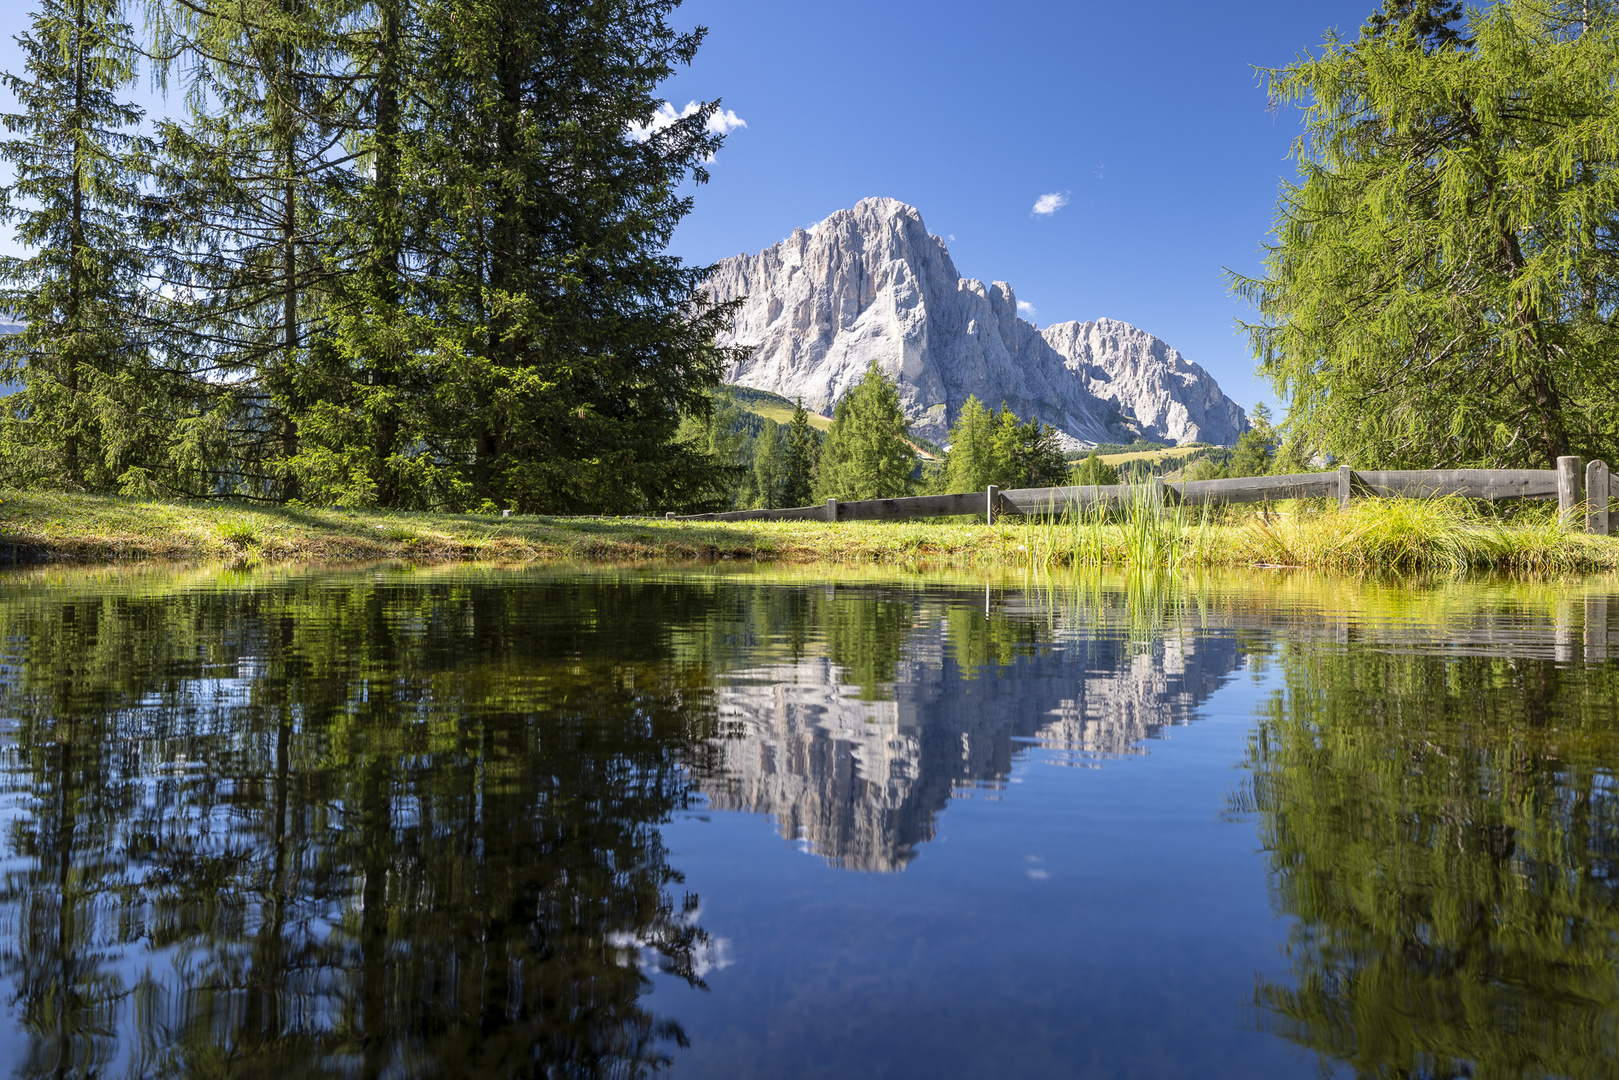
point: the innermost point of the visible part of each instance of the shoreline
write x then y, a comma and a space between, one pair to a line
54, 528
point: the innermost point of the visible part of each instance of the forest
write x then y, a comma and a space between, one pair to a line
402, 253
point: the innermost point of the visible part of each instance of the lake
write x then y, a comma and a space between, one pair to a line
486, 822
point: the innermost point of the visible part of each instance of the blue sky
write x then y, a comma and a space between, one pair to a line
1146, 121
1147, 118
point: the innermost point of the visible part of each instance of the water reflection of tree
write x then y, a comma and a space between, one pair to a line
424, 843
1446, 832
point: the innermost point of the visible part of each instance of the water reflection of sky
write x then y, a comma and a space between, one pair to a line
422, 824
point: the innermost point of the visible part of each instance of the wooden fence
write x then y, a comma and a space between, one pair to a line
1569, 484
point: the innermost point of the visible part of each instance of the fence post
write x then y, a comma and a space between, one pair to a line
1596, 627
992, 497
1568, 490
1346, 481
1596, 498
832, 509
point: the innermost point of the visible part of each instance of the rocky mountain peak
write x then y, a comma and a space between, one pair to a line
871, 283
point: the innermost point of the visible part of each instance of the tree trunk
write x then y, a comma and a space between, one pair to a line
73, 330
388, 256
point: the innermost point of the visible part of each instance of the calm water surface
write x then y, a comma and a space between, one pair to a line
498, 823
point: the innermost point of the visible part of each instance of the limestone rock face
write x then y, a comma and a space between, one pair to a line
1173, 399
871, 283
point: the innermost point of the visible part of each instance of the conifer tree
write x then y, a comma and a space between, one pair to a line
569, 341
975, 459
1030, 452
999, 448
866, 455
86, 410
364, 434
770, 461
803, 459
1093, 470
1442, 286
247, 179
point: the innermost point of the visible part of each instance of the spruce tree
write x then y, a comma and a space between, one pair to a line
1037, 458
803, 459
569, 341
87, 409
866, 455
365, 435
971, 464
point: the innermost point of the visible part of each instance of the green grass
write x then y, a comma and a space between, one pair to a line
1150, 456
1372, 536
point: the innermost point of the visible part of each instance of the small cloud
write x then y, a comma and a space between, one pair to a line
1100, 171
1025, 308
1046, 205
811, 227
724, 121
952, 238
721, 122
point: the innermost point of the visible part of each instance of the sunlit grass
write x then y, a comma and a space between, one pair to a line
1445, 535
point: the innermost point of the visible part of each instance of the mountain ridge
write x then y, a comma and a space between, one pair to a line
871, 283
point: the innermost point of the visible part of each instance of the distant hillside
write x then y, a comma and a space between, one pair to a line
775, 407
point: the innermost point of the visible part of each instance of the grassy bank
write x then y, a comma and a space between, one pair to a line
1371, 536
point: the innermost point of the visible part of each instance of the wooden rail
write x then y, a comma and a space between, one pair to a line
1567, 483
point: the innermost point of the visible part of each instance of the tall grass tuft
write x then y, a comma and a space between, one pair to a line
1404, 535
1373, 535
1139, 530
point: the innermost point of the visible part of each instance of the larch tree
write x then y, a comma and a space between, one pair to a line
866, 455
1001, 449
975, 459
85, 409
246, 180
1442, 286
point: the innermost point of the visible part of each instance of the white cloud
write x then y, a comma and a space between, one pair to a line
721, 122
1025, 308
1046, 205
724, 122
952, 238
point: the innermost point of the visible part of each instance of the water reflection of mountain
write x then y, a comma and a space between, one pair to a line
863, 781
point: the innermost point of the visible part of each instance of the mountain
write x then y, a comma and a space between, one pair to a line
872, 283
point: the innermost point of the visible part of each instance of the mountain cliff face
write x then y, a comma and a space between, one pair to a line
872, 283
